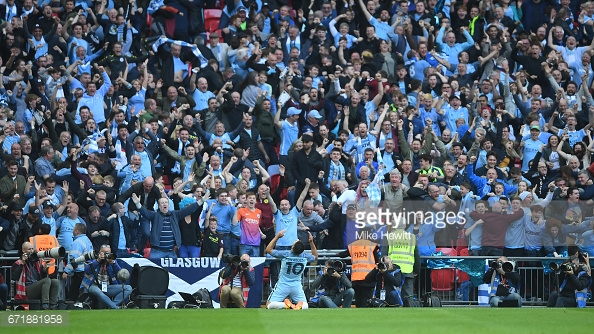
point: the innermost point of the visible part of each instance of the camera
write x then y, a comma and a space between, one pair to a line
88, 256
244, 264
563, 267
335, 266
507, 267
54, 253
231, 259
382, 266
495, 265
109, 256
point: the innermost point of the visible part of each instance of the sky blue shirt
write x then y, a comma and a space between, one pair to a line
288, 223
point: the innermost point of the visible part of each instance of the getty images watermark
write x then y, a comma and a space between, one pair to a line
365, 219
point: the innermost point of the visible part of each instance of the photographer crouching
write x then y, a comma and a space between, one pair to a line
32, 281
338, 289
237, 278
388, 279
101, 280
504, 282
574, 276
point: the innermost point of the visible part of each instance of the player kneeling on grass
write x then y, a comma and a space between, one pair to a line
288, 291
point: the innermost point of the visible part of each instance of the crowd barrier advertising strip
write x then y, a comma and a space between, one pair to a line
191, 274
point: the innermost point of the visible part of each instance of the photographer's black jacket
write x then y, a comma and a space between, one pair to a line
332, 285
388, 280
573, 283
513, 278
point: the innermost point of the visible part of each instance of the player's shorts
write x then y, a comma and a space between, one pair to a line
281, 292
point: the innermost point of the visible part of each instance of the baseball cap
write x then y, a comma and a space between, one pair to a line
14, 206
352, 206
314, 114
265, 5
241, 8
306, 138
454, 96
34, 210
47, 204
293, 111
214, 35
535, 127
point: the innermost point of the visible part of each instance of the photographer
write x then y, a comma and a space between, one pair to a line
101, 281
32, 280
504, 282
388, 279
237, 278
574, 276
338, 289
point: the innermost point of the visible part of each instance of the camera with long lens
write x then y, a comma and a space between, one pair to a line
109, 256
563, 267
232, 259
335, 266
244, 264
507, 267
54, 253
382, 266
495, 265
88, 256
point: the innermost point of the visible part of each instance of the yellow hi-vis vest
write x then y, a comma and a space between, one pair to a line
361, 258
401, 249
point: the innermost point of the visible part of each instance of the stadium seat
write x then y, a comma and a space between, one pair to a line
447, 251
464, 252
443, 279
462, 276
211, 25
266, 275
212, 14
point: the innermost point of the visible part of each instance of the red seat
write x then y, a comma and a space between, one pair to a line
462, 276
266, 275
447, 251
443, 279
464, 252
211, 25
212, 14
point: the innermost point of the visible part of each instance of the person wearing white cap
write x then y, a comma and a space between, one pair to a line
313, 122
531, 146
289, 129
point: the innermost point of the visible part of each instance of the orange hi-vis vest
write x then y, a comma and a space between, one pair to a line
45, 242
362, 259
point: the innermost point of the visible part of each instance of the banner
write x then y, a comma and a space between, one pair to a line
191, 274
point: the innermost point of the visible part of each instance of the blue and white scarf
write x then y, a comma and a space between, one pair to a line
194, 48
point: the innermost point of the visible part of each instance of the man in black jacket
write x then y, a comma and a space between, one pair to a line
573, 282
270, 68
504, 282
388, 279
307, 163
148, 194
114, 224
338, 289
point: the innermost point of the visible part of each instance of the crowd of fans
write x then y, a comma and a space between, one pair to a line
478, 108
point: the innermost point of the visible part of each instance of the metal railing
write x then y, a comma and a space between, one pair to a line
447, 281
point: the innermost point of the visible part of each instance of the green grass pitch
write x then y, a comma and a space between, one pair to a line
318, 321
